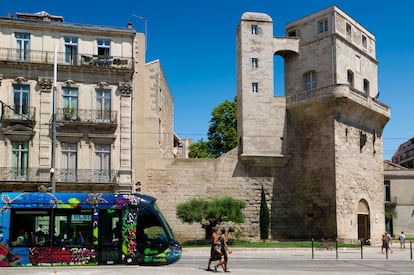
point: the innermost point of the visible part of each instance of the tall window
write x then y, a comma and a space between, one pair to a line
366, 86
70, 103
104, 48
364, 41
387, 190
255, 62
20, 160
69, 153
309, 81
102, 162
103, 105
323, 25
254, 30
71, 50
22, 46
255, 87
21, 99
350, 78
348, 30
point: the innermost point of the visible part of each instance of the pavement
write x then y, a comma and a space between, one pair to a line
289, 261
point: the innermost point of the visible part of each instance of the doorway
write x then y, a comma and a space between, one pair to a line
364, 232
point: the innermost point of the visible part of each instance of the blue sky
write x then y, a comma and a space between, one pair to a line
195, 42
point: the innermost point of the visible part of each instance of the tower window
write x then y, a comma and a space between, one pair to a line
366, 86
350, 77
309, 81
348, 30
255, 62
323, 25
255, 87
364, 41
254, 30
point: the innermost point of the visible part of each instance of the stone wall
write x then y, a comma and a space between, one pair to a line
179, 180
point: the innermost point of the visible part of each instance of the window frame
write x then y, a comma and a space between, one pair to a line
322, 25
366, 86
69, 161
350, 78
255, 87
254, 29
364, 41
105, 46
22, 46
19, 160
255, 62
309, 81
71, 50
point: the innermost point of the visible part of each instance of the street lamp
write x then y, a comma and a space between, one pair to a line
145, 27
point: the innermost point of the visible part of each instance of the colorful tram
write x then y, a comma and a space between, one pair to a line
84, 229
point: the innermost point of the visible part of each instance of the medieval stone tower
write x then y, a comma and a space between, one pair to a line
323, 138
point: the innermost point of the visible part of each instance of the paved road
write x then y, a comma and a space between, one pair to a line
257, 261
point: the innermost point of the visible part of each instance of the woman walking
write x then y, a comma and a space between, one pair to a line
215, 252
225, 251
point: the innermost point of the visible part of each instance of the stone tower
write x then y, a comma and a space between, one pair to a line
323, 137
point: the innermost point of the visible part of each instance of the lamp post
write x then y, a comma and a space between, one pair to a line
53, 161
145, 27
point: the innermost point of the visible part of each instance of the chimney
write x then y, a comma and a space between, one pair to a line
129, 26
9, 15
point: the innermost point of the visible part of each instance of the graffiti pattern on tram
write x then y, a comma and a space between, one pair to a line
41, 255
129, 230
7, 258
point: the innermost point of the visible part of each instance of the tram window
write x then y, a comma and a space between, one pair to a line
153, 228
73, 228
29, 227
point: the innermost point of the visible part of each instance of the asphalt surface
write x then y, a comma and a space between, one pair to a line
257, 261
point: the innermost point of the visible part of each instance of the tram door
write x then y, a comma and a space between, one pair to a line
109, 236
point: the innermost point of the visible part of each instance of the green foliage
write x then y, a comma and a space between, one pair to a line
211, 213
222, 132
264, 217
199, 149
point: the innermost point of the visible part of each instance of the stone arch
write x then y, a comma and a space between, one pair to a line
364, 227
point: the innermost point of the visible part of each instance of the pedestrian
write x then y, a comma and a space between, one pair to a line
215, 251
225, 251
401, 237
386, 242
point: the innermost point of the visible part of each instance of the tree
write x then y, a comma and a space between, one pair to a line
199, 149
264, 217
222, 132
211, 213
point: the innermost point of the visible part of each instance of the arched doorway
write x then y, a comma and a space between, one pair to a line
364, 232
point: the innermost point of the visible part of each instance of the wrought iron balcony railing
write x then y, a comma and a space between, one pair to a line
26, 115
86, 115
62, 175
82, 59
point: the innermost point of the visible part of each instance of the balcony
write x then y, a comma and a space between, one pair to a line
391, 201
25, 117
41, 175
81, 60
102, 119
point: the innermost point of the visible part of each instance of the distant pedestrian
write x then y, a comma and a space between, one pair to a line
401, 238
386, 242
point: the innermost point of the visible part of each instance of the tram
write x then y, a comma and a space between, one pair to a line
84, 229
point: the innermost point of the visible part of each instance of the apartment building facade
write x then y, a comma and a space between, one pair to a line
78, 85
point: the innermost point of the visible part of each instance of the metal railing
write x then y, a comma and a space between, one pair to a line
23, 114
81, 59
62, 175
86, 115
